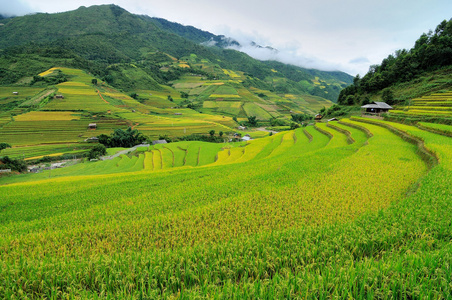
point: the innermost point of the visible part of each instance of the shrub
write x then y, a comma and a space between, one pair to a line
14, 164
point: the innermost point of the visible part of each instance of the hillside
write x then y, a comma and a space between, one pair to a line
110, 34
158, 80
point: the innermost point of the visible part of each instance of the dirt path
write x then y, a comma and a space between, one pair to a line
100, 95
124, 152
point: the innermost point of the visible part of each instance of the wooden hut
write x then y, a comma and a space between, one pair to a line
92, 126
318, 117
375, 108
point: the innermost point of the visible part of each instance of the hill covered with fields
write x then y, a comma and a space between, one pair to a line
118, 70
147, 73
108, 35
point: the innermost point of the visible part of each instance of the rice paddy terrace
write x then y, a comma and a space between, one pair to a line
437, 105
54, 119
357, 209
60, 115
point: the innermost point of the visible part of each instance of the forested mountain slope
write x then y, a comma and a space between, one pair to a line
108, 34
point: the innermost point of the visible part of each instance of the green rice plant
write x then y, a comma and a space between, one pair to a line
149, 161
436, 128
157, 160
167, 158
208, 153
269, 148
338, 139
253, 109
253, 148
287, 142
192, 157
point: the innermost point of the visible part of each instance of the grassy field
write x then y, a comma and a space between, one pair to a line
311, 213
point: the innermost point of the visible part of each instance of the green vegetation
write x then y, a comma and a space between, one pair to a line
97, 151
4, 146
13, 164
122, 138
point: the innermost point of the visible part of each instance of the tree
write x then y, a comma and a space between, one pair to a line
170, 98
4, 146
97, 151
94, 81
104, 140
252, 121
212, 132
220, 133
294, 126
122, 138
388, 96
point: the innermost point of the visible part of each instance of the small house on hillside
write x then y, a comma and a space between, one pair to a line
59, 96
92, 139
15, 93
318, 117
376, 108
333, 119
92, 126
159, 142
241, 128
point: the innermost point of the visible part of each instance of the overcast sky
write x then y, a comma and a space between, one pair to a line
345, 35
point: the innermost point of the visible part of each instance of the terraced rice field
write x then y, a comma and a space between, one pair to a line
46, 127
345, 210
436, 128
65, 120
78, 97
439, 104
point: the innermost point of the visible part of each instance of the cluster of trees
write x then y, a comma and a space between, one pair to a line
212, 138
18, 165
57, 78
122, 138
432, 51
300, 118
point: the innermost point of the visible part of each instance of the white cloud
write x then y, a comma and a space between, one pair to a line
14, 8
